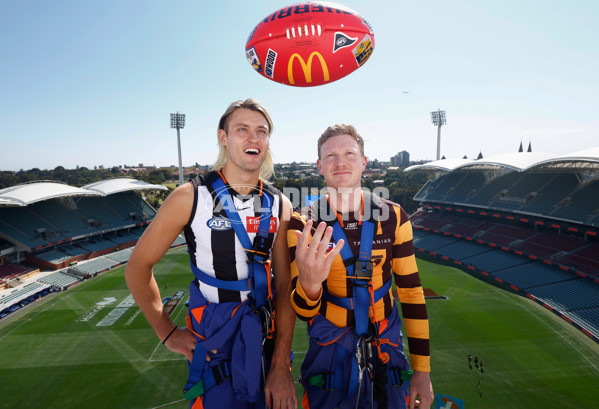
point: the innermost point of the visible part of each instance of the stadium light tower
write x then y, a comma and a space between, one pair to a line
438, 118
178, 122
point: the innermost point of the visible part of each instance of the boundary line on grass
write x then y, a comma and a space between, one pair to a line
544, 322
169, 404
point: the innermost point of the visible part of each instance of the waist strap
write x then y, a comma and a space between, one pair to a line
239, 285
346, 302
209, 379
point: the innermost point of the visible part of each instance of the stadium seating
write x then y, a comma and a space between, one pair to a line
461, 250
7, 299
120, 256
585, 259
58, 279
11, 271
582, 205
550, 194
494, 260
532, 274
431, 241
95, 265
491, 191
51, 222
574, 294
504, 235
534, 231
11, 226
53, 256
586, 318
566, 250
556, 194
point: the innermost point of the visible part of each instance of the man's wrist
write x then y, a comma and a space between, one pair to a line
281, 359
310, 292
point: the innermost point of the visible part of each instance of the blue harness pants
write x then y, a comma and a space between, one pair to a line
235, 331
330, 354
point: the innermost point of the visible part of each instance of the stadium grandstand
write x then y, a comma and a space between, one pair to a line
53, 235
527, 222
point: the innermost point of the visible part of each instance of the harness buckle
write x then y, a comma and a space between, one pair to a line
257, 257
363, 270
261, 244
260, 250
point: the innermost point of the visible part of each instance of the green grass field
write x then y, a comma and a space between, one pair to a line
54, 355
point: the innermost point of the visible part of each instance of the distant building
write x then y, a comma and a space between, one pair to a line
137, 169
401, 159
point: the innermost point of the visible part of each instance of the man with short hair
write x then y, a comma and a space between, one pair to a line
235, 223
345, 250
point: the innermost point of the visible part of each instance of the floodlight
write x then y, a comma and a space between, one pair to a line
178, 122
438, 118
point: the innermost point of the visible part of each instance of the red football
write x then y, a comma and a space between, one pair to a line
309, 44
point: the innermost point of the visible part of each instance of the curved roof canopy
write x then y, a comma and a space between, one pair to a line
515, 161
519, 161
32, 192
111, 186
584, 159
446, 165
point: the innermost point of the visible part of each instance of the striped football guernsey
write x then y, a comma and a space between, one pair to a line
392, 253
212, 244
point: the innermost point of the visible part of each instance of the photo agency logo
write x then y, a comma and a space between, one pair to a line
306, 196
254, 207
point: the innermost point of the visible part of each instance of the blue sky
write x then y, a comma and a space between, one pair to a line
93, 83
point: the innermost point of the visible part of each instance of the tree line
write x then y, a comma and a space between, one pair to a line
401, 186
80, 176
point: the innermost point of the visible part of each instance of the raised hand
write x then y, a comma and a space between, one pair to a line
312, 259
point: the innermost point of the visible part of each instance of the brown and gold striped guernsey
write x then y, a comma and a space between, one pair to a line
392, 253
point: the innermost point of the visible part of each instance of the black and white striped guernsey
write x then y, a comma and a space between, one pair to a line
212, 244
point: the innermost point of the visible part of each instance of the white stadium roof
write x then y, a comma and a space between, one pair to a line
587, 158
111, 186
515, 161
32, 192
446, 165
519, 161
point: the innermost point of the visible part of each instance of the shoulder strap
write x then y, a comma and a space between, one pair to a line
258, 252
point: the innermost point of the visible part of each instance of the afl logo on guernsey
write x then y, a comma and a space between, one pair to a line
219, 223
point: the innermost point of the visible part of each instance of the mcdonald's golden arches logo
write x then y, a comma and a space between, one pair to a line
307, 67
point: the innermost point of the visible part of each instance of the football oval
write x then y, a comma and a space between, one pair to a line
309, 44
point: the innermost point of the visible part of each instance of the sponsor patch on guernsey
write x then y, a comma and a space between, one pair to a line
219, 223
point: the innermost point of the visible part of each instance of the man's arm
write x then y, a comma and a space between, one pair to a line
305, 308
413, 307
310, 264
411, 294
153, 244
279, 388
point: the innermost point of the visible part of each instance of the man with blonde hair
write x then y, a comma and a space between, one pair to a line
346, 248
235, 226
